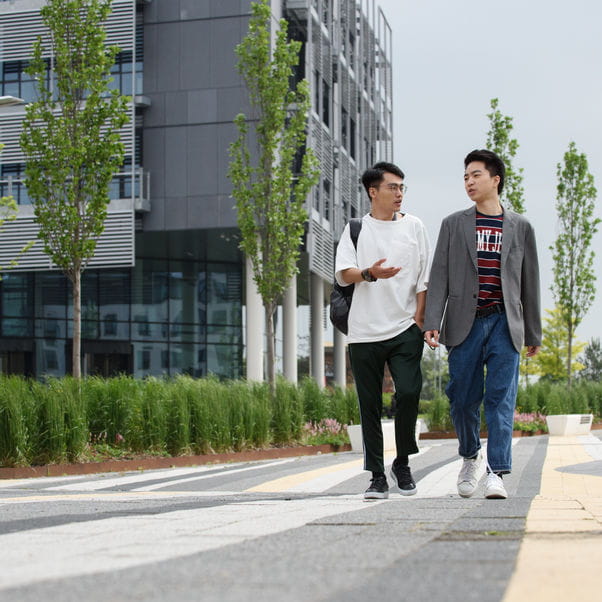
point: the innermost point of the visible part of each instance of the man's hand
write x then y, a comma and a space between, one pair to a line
381, 272
431, 338
533, 350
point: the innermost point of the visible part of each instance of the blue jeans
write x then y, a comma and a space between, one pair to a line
489, 346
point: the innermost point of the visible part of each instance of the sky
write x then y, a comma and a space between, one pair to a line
541, 59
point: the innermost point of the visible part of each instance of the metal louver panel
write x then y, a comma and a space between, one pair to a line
115, 246
21, 24
321, 251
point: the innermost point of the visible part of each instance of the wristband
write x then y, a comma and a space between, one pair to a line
368, 276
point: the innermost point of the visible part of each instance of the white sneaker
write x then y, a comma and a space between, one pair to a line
467, 479
494, 488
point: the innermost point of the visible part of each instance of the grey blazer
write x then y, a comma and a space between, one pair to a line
453, 289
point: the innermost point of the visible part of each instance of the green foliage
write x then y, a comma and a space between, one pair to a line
8, 213
326, 431
79, 420
500, 142
591, 361
435, 373
76, 420
574, 277
287, 412
71, 137
551, 362
546, 398
438, 417
270, 196
15, 417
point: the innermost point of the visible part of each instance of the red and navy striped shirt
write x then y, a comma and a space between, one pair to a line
489, 254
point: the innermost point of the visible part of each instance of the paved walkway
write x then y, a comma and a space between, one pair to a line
561, 554
298, 530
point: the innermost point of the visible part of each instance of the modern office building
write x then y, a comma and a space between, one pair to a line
168, 290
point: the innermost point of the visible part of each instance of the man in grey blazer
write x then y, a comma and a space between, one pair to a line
483, 305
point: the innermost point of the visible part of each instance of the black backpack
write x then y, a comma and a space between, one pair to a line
341, 296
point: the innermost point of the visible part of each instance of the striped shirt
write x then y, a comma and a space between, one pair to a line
489, 253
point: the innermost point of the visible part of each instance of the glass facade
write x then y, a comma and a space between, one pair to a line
168, 315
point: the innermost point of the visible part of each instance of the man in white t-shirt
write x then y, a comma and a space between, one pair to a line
390, 273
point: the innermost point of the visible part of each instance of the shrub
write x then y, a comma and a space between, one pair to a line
16, 415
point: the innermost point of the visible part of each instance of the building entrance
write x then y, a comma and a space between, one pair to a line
107, 364
16, 362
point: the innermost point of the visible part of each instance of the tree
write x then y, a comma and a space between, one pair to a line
500, 142
592, 361
269, 196
71, 139
573, 286
551, 363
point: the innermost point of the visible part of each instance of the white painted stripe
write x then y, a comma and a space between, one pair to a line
114, 496
111, 544
33, 482
328, 481
107, 481
225, 473
442, 482
592, 445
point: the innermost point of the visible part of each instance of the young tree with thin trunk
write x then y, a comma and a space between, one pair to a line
574, 278
71, 139
500, 142
270, 196
551, 362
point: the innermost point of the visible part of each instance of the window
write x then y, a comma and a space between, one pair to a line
316, 106
352, 138
11, 183
326, 187
344, 120
325, 103
351, 48
326, 12
121, 72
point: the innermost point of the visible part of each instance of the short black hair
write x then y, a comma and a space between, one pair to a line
374, 175
494, 165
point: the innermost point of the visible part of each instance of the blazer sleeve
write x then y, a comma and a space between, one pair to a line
530, 291
436, 296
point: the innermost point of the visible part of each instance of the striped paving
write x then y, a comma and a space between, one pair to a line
190, 511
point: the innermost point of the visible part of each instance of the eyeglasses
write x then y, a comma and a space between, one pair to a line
395, 187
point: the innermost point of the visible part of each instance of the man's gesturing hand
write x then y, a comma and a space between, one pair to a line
379, 271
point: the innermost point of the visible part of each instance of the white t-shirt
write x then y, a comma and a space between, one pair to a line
383, 309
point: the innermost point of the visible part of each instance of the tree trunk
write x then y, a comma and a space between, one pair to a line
569, 362
76, 364
271, 351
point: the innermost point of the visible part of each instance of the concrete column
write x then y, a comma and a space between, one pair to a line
317, 331
289, 331
339, 353
254, 327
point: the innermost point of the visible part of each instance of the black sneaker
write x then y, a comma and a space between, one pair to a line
402, 479
378, 490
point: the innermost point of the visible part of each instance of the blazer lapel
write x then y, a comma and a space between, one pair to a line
469, 223
508, 229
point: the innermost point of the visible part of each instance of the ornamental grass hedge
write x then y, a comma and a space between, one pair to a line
64, 419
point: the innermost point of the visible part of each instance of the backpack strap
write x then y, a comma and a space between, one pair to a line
355, 225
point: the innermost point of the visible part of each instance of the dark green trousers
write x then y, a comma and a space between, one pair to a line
402, 354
